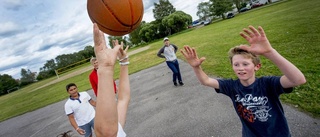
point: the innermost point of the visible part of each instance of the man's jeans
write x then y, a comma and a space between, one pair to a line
174, 66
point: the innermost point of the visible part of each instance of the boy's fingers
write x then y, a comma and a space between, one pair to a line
202, 59
95, 34
187, 48
183, 53
103, 39
249, 33
126, 48
244, 36
262, 33
254, 30
117, 47
193, 52
98, 38
113, 43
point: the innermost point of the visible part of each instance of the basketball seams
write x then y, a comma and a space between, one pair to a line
132, 15
95, 21
112, 12
108, 28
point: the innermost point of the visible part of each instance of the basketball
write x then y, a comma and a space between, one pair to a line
116, 17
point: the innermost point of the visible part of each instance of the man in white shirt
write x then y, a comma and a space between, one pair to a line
80, 111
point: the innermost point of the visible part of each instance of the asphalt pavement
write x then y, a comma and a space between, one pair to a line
159, 109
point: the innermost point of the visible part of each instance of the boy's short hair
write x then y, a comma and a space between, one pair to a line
93, 59
238, 51
70, 85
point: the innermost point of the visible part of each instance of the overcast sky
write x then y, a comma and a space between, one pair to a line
34, 31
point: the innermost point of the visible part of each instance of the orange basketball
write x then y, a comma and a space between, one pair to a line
116, 17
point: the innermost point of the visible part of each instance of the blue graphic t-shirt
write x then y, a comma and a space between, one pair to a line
258, 106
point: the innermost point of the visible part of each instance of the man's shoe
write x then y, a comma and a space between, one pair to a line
181, 83
175, 83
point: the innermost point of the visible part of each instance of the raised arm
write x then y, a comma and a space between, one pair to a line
260, 45
106, 119
124, 85
191, 56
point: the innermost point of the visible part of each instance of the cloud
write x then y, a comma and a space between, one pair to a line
12, 4
8, 29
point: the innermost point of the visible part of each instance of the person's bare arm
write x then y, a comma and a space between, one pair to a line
191, 56
260, 45
75, 125
106, 119
124, 87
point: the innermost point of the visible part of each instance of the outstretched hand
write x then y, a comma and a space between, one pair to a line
122, 54
259, 43
191, 55
105, 56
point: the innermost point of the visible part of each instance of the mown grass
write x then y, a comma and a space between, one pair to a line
292, 26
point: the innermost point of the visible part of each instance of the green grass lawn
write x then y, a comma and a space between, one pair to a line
292, 26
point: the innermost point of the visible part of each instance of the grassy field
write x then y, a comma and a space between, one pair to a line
292, 26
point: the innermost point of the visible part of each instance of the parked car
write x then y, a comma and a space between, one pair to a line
230, 15
207, 22
255, 5
246, 8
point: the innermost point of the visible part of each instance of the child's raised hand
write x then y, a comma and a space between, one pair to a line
105, 56
259, 43
191, 55
122, 54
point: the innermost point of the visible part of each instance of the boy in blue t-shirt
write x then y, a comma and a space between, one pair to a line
256, 100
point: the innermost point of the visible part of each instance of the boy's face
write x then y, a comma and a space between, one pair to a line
73, 91
244, 68
95, 64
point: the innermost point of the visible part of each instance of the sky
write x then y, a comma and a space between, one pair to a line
34, 31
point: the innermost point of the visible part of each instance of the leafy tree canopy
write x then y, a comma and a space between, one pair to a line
163, 9
204, 10
177, 21
219, 7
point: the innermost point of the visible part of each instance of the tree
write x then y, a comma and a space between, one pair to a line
177, 21
64, 60
148, 32
204, 10
134, 36
219, 7
27, 77
47, 70
68, 59
87, 52
45, 74
50, 65
238, 4
163, 9
7, 84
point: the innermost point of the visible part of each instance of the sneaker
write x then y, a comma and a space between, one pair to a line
181, 83
175, 83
